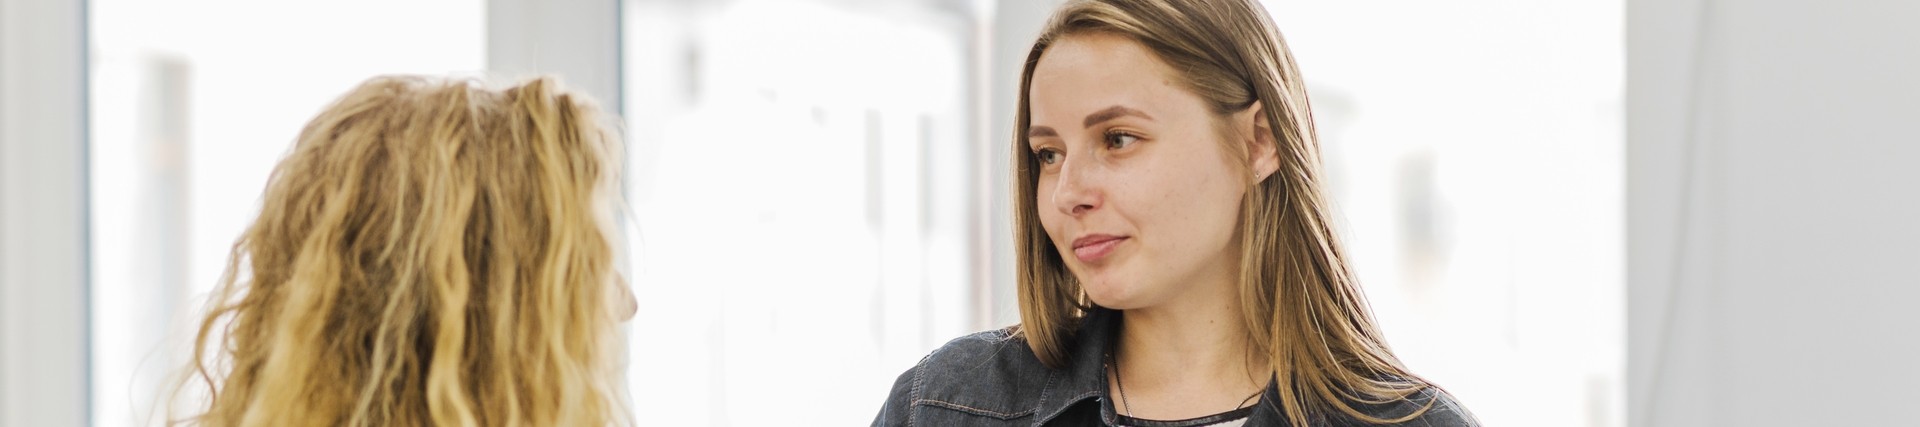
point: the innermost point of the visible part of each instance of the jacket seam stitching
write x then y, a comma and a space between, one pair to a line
1045, 392
970, 409
913, 394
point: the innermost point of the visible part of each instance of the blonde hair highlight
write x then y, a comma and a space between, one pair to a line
431, 252
1301, 304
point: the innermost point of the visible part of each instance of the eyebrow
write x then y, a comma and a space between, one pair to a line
1109, 113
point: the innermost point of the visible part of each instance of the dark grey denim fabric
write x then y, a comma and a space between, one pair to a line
993, 379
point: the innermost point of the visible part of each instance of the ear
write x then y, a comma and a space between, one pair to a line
1263, 153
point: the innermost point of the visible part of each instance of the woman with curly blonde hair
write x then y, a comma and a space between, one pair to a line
431, 252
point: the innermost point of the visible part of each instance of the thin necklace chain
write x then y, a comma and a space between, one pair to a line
1113, 363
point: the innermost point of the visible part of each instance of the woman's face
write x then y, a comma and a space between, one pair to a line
1136, 188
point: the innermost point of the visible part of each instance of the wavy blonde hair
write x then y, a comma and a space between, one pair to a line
431, 252
1301, 304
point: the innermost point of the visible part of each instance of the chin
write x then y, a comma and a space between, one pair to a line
1113, 294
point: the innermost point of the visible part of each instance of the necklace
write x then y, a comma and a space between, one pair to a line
1113, 364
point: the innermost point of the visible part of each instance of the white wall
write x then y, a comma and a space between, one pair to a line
1773, 190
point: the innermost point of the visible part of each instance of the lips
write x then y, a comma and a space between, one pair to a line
1094, 247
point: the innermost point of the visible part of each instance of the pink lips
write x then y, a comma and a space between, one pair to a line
1093, 247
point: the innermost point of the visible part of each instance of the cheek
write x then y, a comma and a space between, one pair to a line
1193, 197
1050, 218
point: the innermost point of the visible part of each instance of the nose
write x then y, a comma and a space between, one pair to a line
1077, 191
628, 305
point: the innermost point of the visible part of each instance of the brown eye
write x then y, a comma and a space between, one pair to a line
1048, 156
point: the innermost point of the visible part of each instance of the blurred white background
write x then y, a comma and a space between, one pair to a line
819, 185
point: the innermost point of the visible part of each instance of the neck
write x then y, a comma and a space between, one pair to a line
1186, 358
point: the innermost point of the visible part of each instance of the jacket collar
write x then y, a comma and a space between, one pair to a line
1085, 376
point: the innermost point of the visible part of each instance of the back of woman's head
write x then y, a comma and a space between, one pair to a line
431, 252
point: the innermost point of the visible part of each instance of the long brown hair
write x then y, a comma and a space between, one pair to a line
1301, 305
431, 252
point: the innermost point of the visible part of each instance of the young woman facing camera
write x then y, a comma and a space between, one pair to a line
430, 253
1177, 264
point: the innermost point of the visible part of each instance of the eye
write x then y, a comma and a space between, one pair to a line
1048, 156
1119, 140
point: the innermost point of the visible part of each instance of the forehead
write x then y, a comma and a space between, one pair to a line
1083, 73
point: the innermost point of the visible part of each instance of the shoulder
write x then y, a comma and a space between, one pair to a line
992, 373
993, 369
1441, 410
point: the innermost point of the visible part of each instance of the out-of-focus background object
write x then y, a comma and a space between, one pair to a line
1568, 213
43, 214
1773, 260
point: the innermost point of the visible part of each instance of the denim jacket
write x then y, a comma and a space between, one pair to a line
993, 379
